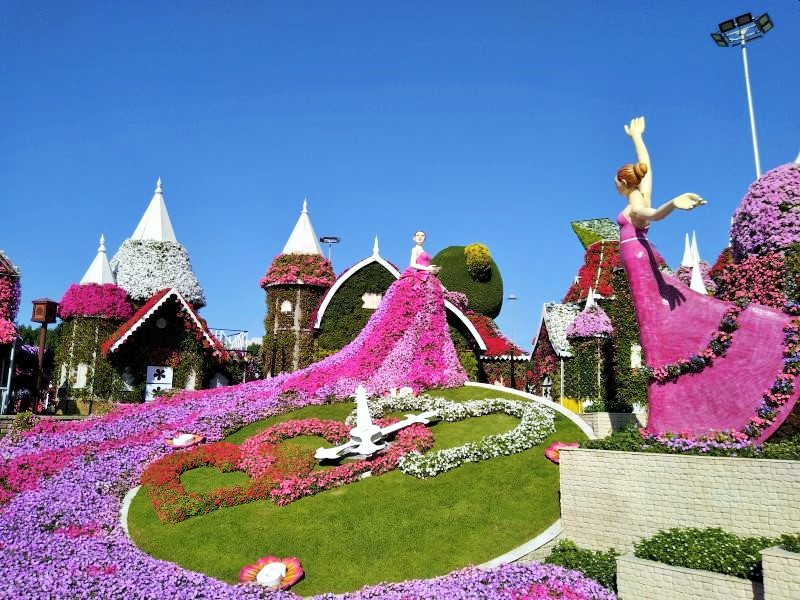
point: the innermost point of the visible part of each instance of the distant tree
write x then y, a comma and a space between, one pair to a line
30, 335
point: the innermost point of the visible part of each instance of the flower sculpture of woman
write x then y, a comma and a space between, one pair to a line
406, 342
716, 365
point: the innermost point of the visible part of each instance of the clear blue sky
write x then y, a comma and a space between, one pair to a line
493, 122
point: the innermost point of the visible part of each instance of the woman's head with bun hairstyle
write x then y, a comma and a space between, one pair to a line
632, 174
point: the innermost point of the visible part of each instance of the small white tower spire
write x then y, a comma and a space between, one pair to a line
99, 271
687, 253
375, 247
155, 223
303, 239
695, 251
590, 299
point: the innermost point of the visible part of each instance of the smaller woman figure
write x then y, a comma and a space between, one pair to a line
420, 264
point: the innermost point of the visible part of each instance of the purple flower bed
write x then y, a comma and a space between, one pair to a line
768, 217
592, 322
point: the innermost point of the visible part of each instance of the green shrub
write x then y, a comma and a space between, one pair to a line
595, 564
709, 549
630, 440
479, 262
790, 542
485, 297
23, 421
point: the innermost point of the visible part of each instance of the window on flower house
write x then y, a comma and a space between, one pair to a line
547, 387
286, 307
191, 380
81, 374
371, 301
636, 356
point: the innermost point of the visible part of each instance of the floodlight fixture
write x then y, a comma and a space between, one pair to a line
738, 32
719, 39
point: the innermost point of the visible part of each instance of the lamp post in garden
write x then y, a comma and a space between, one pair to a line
511, 298
738, 32
330, 240
44, 312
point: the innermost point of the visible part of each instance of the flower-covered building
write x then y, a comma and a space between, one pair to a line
587, 349
294, 283
90, 312
152, 259
9, 305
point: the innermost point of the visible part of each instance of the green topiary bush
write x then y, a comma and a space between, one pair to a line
790, 542
485, 297
709, 549
595, 564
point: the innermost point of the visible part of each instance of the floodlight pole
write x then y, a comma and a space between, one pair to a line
512, 297
750, 103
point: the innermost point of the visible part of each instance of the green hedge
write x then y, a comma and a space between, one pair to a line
630, 441
595, 564
630, 387
344, 317
485, 297
709, 549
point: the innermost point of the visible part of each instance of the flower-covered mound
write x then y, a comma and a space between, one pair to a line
143, 267
106, 301
768, 217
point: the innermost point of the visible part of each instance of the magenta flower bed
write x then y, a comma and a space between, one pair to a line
107, 301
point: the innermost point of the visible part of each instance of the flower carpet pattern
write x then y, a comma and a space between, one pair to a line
63, 483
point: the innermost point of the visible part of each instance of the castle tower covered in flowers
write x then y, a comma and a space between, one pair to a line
152, 259
9, 305
91, 310
295, 283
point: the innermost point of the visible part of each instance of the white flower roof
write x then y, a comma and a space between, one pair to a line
100, 269
143, 267
556, 318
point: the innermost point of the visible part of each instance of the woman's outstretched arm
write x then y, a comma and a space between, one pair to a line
636, 132
642, 212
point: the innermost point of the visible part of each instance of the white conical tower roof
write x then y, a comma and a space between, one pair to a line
155, 224
304, 239
687, 261
695, 251
99, 271
375, 249
697, 280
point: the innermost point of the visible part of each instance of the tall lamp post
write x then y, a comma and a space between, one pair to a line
44, 312
738, 32
330, 240
512, 297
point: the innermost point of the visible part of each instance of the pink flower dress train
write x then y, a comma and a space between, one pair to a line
676, 323
406, 342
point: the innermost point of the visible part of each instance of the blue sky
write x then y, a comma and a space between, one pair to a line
494, 122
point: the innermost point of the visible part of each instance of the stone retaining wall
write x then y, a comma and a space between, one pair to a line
614, 499
639, 579
604, 424
781, 574
7, 420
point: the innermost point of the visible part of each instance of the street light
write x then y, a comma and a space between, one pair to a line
330, 240
737, 32
512, 297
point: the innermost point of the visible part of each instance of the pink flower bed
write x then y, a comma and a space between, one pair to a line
310, 269
107, 301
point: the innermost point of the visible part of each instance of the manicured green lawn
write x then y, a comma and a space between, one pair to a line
386, 528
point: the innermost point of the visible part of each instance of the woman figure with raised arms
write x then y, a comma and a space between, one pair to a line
677, 323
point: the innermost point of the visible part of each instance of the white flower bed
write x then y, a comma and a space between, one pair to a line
536, 423
143, 267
